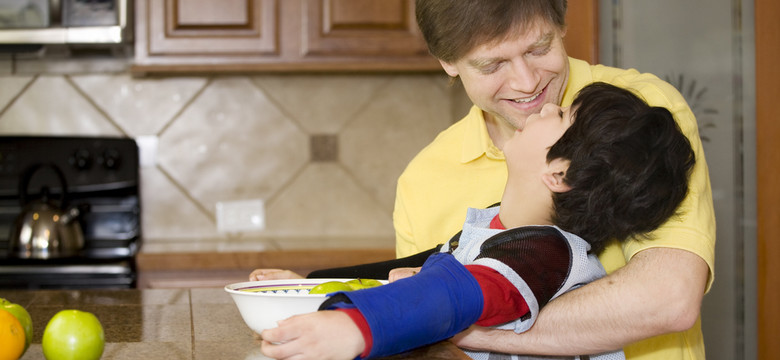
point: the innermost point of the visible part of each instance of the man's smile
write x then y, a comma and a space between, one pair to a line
528, 99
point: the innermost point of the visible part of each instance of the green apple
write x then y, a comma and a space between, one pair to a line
330, 287
24, 318
73, 334
358, 283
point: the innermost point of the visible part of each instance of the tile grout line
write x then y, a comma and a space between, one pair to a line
296, 123
69, 80
184, 191
365, 189
18, 95
185, 106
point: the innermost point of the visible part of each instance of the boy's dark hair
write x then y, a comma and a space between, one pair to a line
629, 166
451, 28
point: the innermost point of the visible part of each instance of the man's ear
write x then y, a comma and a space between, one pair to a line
450, 69
555, 175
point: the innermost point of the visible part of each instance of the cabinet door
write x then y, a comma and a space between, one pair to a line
207, 27
361, 28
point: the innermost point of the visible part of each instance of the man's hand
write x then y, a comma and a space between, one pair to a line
658, 292
322, 335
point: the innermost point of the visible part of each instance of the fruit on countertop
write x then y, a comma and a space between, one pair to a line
350, 285
330, 287
12, 337
358, 283
23, 316
73, 334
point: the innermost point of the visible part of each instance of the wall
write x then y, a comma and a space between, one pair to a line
321, 151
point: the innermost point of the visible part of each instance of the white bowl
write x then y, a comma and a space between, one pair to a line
263, 303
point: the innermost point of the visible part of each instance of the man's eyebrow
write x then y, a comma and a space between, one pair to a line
483, 62
543, 41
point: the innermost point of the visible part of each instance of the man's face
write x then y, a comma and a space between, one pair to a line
513, 78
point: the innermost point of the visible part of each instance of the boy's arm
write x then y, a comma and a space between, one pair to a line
502, 302
303, 335
430, 306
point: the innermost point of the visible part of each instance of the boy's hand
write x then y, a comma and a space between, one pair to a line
321, 335
400, 273
273, 274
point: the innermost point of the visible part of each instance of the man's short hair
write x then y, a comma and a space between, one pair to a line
452, 28
629, 166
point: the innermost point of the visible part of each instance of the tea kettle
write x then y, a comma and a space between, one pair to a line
44, 229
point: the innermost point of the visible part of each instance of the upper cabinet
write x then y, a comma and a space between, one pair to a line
203, 28
359, 28
177, 36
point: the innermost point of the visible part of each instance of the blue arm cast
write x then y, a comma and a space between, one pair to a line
433, 305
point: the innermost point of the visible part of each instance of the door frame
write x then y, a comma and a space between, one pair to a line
767, 31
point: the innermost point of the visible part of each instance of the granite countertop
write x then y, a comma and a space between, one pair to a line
150, 324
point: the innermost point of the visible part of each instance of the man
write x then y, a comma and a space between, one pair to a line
510, 58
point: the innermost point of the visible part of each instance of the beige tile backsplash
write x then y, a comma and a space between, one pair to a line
321, 151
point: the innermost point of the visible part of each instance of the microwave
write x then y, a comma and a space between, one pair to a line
64, 21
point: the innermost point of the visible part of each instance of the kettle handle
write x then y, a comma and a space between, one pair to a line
24, 183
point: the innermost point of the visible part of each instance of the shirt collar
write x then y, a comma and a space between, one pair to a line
579, 77
476, 141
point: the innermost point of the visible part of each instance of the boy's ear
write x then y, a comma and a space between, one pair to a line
555, 174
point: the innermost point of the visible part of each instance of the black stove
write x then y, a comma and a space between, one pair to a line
98, 175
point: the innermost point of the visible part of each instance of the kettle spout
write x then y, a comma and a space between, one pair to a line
70, 215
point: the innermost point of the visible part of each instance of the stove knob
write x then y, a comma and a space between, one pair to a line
110, 159
81, 159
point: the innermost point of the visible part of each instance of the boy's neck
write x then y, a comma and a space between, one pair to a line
525, 205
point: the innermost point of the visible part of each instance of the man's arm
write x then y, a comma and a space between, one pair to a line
659, 291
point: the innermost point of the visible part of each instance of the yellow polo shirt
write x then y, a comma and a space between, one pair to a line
462, 168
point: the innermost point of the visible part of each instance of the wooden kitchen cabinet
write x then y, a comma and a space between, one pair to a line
276, 35
195, 36
360, 28
211, 28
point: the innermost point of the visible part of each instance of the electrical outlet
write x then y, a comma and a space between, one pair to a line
240, 216
147, 150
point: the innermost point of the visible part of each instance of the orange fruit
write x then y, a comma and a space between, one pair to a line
11, 336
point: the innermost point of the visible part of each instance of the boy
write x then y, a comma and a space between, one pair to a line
609, 167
